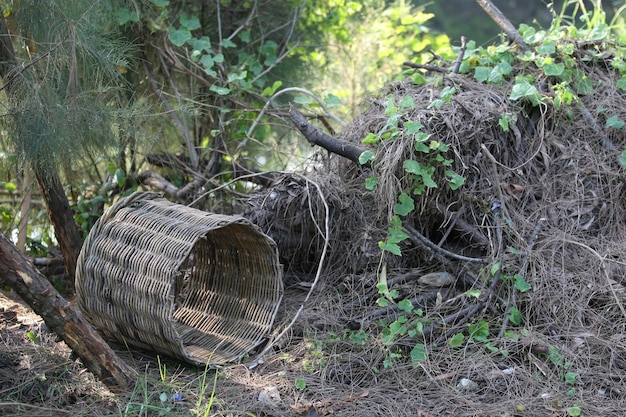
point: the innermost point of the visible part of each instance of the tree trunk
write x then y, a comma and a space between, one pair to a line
62, 218
58, 206
16, 271
64, 319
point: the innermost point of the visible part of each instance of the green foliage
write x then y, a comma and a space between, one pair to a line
614, 122
408, 324
524, 88
233, 64
395, 236
65, 95
553, 55
213, 69
320, 347
515, 316
88, 208
479, 331
428, 167
6, 215
300, 384
564, 369
405, 203
456, 340
85, 102
549, 74
505, 120
418, 353
33, 337
520, 283
574, 411
365, 43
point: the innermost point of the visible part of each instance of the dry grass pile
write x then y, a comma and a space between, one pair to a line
545, 199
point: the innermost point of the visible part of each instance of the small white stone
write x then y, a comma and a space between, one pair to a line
466, 384
269, 396
508, 371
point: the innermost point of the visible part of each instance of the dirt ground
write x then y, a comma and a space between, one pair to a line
316, 370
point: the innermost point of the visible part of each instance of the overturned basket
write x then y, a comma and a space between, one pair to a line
202, 287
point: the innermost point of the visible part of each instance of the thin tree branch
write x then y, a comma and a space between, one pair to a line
181, 126
251, 15
317, 137
417, 237
504, 23
180, 122
489, 294
459, 58
326, 235
469, 312
298, 90
426, 67
157, 182
6, 47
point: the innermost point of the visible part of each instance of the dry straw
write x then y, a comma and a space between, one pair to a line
199, 286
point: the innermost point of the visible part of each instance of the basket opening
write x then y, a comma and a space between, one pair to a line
223, 304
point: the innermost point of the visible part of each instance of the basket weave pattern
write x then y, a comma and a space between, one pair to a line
199, 286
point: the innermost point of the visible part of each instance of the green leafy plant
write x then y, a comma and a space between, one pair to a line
552, 52
423, 172
201, 408
85, 215
408, 323
574, 411
33, 337
300, 384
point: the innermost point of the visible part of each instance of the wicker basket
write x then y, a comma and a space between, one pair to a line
198, 286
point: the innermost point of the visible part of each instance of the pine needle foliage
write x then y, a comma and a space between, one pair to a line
64, 94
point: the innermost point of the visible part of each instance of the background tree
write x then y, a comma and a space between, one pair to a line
220, 71
59, 89
362, 45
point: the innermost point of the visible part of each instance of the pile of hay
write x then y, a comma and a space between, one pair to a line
545, 199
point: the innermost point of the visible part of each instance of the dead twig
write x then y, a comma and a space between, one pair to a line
426, 67
504, 23
488, 296
418, 238
464, 315
317, 137
294, 90
326, 235
603, 262
459, 58
460, 224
